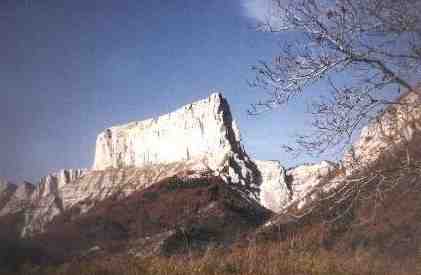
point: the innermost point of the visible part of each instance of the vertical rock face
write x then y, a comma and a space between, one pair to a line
397, 126
275, 193
305, 179
201, 138
281, 188
202, 132
53, 183
46, 200
39, 203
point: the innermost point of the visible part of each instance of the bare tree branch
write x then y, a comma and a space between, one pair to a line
361, 49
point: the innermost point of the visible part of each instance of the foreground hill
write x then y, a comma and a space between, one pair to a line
174, 216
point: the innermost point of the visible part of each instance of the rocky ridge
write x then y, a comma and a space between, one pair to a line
396, 128
46, 199
398, 125
156, 208
203, 132
198, 140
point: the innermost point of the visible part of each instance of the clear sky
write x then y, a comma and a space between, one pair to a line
69, 69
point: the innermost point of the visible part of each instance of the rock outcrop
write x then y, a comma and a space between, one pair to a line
202, 132
46, 199
282, 187
6, 191
397, 126
198, 140
19, 199
39, 203
305, 180
275, 192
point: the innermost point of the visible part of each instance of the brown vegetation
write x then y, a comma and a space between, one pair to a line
172, 216
287, 257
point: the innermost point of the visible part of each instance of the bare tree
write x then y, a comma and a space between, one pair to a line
364, 51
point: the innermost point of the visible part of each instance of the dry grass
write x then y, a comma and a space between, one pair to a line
286, 257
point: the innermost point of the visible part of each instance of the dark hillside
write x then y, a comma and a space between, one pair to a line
378, 212
172, 216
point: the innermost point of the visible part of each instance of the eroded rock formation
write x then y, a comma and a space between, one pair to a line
198, 140
275, 193
397, 126
202, 132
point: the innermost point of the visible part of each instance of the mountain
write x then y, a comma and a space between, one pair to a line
203, 133
183, 183
197, 139
370, 202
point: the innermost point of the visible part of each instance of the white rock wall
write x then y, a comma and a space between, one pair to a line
203, 131
281, 188
305, 180
274, 191
199, 137
45, 200
397, 126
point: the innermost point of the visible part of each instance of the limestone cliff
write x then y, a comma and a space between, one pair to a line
198, 140
283, 187
275, 193
46, 200
306, 180
38, 203
397, 126
202, 132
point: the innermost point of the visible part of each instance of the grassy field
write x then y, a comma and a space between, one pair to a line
287, 258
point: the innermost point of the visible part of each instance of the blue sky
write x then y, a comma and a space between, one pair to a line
69, 69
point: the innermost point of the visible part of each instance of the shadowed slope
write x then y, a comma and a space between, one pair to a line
180, 214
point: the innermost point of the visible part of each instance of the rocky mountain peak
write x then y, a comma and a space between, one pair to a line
196, 141
203, 132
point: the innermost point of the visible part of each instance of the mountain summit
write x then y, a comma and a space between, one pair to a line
197, 141
203, 133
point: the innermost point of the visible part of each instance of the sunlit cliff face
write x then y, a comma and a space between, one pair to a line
202, 132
